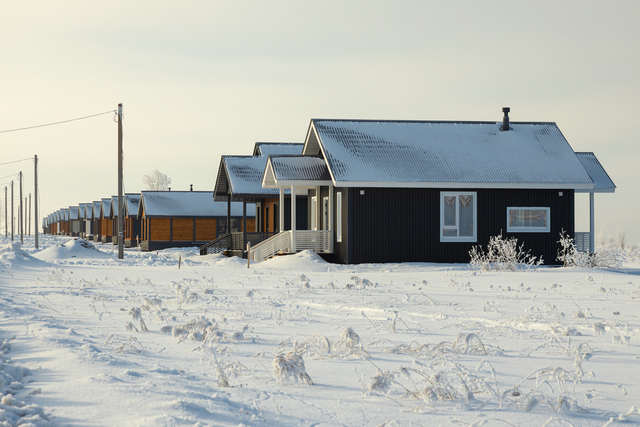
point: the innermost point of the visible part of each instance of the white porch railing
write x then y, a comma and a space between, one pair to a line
315, 240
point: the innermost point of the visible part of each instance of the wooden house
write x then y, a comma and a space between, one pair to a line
184, 218
96, 223
429, 191
132, 225
81, 218
65, 228
88, 220
106, 221
240, 180
74, 221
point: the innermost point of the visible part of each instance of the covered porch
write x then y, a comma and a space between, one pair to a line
298, 174
585, 241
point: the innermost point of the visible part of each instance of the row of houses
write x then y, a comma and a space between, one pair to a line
364, 191
153, 220
372, 191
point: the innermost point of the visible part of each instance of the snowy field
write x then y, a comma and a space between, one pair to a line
88, 340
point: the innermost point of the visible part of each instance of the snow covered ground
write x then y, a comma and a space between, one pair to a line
89, 340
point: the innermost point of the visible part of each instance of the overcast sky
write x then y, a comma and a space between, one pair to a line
199, 79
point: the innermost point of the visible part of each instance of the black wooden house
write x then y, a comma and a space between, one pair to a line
429, 191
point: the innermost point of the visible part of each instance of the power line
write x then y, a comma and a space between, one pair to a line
16, 161
57, 123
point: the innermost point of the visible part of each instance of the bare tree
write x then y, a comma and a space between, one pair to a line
156, 181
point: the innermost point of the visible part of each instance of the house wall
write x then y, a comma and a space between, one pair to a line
272, 203
403, 225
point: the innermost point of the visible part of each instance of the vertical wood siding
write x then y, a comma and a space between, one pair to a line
403, 225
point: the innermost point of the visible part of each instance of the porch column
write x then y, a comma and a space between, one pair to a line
293, 219
228, 213
281, 210
244, 222
330, 208
592, 227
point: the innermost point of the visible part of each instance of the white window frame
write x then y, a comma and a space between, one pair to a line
456, 227
339, 216
314, 217
325, 213
546, 229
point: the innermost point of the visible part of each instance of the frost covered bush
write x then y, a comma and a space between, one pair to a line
502, 255
605, 256
290, 366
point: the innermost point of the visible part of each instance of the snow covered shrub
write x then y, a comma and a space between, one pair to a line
468, 344
290, 366
136, 314
502, 255
359, 283
605, 256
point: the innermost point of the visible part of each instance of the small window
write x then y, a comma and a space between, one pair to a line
458, 213
339, 217
528, 220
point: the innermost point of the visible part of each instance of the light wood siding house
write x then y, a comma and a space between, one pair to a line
106, 222
429, 191
182, 218
88, 221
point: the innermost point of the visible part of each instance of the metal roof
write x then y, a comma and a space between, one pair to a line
446, 154
105, 209
132, 204
296, 170
274, 148
96, 209
187, 204
603, 184
74, 213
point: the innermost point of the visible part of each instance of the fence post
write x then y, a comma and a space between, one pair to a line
248, 254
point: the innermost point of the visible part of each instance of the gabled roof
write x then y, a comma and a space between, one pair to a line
298, 170
105, 207
187, 204
64, 214
74, 213
81, 211
88, 211
600, 178
377, 153
131, 205
273, 148
96, 209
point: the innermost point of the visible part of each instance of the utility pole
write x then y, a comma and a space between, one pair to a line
29, 217
120, 188
20, 218
12, 230
35, 199
6, 226
26, 216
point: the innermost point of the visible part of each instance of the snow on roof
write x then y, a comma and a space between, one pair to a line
81, 211
187, 204
74, 213
96, 209
65, 214
88, 211
603, 184
434, 154
131, 205
287, 170
105, 209
274, 148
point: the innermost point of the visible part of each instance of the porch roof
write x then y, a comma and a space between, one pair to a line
602, 182
304, 171
377, 153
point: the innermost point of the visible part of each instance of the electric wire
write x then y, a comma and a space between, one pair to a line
16, 161
58, 123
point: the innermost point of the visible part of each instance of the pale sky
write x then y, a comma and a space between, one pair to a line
199, 79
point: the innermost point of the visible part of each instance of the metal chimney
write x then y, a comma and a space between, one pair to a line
505, 119
191, 187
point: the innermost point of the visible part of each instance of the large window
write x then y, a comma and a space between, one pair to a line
528, 220
458, 217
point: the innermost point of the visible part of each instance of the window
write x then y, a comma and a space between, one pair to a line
325, 213
339, 217
528, 220
314, 215
458, 213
